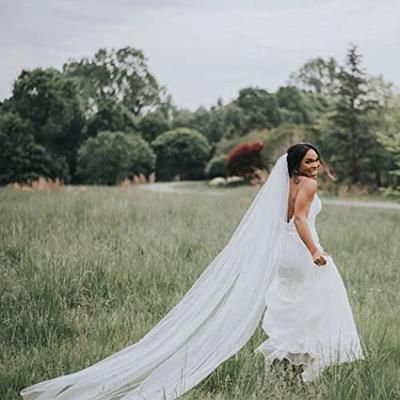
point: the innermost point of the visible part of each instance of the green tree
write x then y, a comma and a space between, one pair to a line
199, 119
317, 76
381, 119
182, 152
389, 137
260, 107
121, 76
51, 105
110, 157
234, 121
293, 105
350, 138
152, 125
218, 121
183, 118
111, 117
391, 142
21, 159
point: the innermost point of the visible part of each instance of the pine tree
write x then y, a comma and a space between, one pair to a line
351, 138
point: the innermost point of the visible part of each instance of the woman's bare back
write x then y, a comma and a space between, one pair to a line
294, 187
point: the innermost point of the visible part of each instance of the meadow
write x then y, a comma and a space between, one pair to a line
86, 273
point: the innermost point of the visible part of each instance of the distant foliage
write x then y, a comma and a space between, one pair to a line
244, 159
182, 152
390, 139
216, 166
50, 103
152, 125
226, 145
281, 138
111, 157
260, 107
21, 158
113, 117
293, 105
351, 141
318, 75
220, 121
347, 113
121, 76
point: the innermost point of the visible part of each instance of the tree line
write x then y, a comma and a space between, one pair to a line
103, 119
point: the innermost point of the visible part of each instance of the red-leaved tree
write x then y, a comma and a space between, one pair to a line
244, 159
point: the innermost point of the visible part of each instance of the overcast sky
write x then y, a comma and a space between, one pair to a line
201, 50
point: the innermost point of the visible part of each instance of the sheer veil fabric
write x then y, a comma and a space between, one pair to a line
212, 322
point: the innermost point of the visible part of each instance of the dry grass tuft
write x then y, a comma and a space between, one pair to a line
40, 185
137, 180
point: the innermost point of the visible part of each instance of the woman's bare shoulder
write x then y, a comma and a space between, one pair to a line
308, 185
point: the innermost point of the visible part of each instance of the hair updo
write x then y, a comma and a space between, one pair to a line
297, 152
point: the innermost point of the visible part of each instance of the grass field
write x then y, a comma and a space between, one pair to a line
84, 274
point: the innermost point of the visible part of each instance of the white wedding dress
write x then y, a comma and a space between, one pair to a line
308, 318
264, 266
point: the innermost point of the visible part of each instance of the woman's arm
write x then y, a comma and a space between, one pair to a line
306, 193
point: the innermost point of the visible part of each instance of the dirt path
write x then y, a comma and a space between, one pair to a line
179, 187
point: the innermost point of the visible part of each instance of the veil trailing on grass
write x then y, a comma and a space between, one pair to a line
212, 322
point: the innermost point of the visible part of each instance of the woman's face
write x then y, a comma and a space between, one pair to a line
309, 164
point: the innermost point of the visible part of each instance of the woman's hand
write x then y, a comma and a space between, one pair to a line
319, 258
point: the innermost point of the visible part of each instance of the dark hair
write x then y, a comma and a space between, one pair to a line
297, 152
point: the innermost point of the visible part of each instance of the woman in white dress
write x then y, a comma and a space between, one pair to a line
308, 318
273, 265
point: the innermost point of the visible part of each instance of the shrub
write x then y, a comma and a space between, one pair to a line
182, 152
21, 158
152, 125
110, 157
216, 166
245, 158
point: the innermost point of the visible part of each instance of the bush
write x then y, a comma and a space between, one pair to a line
152, 125
21, 158
216, 166
182, 152
111, 157
245, 158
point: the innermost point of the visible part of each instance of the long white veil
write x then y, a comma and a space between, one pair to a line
213, 321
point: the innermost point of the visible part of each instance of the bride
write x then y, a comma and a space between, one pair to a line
272, 269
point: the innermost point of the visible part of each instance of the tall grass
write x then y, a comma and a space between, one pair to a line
84, 274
